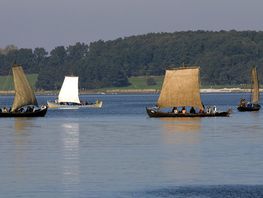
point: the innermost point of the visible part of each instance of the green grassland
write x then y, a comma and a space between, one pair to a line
6, 82
138, 82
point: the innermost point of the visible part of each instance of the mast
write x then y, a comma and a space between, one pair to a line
181, 88
69, 91
255, 86
24, 94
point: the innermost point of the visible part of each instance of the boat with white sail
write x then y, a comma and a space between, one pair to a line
68, 97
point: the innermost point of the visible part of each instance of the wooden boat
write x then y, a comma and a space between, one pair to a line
253, 105
68, 97
25, 102
181, 89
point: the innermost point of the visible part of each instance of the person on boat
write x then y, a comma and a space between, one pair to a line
214, 109
192, 110
249, 105
209, 110
201, 111
183, 110
175, 110
4, 110
156, 107
203, 105
21, 110
243, 102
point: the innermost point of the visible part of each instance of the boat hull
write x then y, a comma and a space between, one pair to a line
53, 105
253, 108
157, 114
39, 113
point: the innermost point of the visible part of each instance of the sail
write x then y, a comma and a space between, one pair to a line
255, 86
181, 88
24, 94
69, 91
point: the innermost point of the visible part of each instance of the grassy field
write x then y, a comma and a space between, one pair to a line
6, 82
138, 82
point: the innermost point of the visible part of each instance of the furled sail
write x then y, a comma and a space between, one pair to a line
181, 88
69, 91
255, 86
24, 94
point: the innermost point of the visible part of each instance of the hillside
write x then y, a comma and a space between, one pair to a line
225, 58
6, 82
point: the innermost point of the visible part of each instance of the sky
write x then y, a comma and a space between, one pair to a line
52, 23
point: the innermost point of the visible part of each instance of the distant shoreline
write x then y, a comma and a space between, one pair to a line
136, 91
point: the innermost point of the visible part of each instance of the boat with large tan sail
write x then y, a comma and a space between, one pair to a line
253, 105
181, 89
25, 103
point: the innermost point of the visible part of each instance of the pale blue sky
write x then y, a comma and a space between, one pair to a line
50, 23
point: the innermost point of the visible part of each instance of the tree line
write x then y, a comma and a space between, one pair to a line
225, 58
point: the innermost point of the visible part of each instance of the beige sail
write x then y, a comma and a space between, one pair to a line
255, 86
24, 94
181, 88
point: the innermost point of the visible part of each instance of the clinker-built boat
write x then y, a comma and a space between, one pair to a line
25, 103
181, 89
253, 105
68, 97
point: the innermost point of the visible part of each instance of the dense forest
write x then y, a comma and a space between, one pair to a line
225, 58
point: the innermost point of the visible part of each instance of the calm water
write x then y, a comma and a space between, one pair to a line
117, 151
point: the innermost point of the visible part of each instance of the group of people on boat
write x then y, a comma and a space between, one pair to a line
245, 103
5, 110
74, 103
22, 109
209, 110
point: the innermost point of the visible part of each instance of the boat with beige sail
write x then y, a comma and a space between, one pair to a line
25, 103
253, 105
181, 91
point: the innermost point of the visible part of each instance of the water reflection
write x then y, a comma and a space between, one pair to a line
22, 139
22, 124
181, 130
70, 163
182, 138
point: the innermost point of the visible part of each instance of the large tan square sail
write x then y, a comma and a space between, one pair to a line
181, 88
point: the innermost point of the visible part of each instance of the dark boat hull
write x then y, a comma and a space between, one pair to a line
38, 113
158, 114
253, 108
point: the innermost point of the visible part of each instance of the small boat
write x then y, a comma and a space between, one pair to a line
253, 105
68, 97
25, 102
181, 89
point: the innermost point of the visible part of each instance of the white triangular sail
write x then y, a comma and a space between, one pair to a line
69, 91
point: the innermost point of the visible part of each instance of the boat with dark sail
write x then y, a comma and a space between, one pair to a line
68, 97
25, 103
181, 89
253, 105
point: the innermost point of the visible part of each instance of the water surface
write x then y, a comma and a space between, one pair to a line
118, 151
